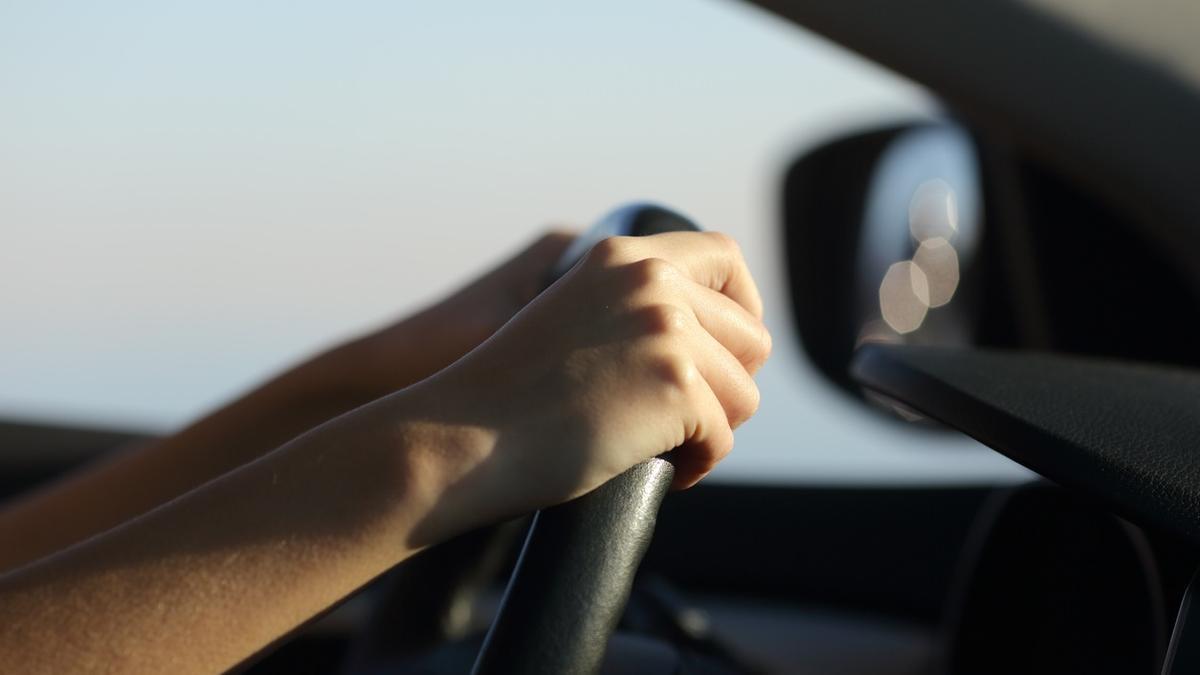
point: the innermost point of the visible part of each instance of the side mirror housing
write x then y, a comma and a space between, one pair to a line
881, 231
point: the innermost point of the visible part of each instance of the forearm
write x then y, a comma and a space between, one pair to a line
118, 488
123, 486
646, 346
206, 580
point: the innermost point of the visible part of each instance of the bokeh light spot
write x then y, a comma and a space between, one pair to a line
904, 297
933, 211
939, 261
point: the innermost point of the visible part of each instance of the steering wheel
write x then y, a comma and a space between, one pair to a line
576, 569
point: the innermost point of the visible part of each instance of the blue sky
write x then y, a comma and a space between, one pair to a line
193, 195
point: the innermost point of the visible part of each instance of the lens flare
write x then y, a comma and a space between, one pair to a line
933, 211
904, 297
938, 260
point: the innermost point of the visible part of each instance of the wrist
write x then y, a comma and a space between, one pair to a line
447, 464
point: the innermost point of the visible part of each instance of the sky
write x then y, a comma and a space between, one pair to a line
194, 195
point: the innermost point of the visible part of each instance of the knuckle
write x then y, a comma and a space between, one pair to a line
650, 272
726, 242
677, 372
611, 251
665, 320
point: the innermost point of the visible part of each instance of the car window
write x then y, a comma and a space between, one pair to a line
196, 194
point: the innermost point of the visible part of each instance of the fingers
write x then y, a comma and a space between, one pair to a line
739, 332
710, 259
726, 377
718, 392
530, 267
549, 245
710, 441
697, 303
709, 272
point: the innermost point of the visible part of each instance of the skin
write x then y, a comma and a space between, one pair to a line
648, 345
130, 483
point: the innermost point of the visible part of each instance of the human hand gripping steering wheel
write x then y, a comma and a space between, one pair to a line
579, 560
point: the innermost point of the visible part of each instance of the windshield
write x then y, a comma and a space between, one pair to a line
197, 194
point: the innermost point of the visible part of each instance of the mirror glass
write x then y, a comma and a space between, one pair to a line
922, 224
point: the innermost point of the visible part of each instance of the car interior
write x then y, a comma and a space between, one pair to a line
1020, 268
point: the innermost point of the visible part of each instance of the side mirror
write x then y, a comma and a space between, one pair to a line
883, 231
929, 234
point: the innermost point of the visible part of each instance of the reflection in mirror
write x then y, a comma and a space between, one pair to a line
921, 228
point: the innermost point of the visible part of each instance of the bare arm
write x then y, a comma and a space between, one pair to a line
133, 481
204, 581
120, 487
648, 345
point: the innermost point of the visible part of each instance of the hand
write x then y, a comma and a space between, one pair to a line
420, 345
647, 346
